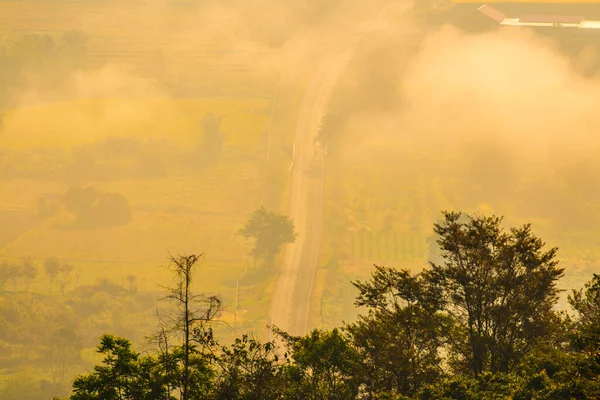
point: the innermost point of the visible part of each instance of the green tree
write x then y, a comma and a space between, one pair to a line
398, 340
498, 287
322, 368
249, 370
270, 232
116, 379
586, 335
586, 303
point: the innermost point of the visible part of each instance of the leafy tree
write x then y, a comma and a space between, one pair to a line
399, 339
332, 127
27, 271
116, 379
249, 369
53, 268
586, 303
270, 232
586, 335
323, 366
95, 208
498, 287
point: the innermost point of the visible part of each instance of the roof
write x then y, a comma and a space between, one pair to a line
491, 12
486, 17
559, 19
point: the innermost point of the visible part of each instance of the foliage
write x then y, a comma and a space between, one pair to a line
420, 338
95, 208
399, 338
122, 375
40, 61
498, 287
249, 369
322, 368
270, 232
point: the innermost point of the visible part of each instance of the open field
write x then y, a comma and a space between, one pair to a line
178, 213
74, 123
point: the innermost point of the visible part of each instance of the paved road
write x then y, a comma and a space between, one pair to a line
291, 302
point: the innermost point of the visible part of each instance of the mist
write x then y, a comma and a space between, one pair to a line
132, 134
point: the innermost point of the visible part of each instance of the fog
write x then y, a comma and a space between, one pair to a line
159, 128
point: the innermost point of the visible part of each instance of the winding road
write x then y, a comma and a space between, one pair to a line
291, 302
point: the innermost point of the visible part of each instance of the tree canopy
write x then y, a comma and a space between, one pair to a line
270, 232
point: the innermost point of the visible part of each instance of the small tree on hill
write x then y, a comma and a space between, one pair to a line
270, 232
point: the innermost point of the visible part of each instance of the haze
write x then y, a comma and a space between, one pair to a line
133, 131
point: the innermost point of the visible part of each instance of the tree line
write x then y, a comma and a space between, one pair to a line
480, 323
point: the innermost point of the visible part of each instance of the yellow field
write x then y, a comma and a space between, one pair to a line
71, 123
177, 214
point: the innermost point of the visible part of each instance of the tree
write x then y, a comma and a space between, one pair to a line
116, 379
8, 272
586, 303
95, 208
64, 276
498, 287
64, 352
53, 268
191, 323
586, 335
270, 232
249, 369
332, 127
323, 366
29, 271
399, 339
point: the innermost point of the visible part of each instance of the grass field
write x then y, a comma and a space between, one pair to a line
179, 213
73, 123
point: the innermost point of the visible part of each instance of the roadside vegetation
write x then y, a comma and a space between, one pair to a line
480, 323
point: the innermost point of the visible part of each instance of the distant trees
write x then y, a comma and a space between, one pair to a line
41, 61
95, 208
57, 271
331, 129
23, 272
270, 232
477, 324
64, 352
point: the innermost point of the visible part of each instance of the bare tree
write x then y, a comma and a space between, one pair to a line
191, 319
52, 267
